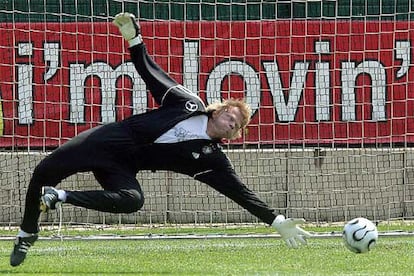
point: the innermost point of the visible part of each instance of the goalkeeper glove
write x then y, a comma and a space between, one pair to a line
129, 28
290, 231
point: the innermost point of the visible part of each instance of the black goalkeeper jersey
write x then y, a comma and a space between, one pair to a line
116, 152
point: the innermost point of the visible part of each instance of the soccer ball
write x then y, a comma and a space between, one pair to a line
360, 235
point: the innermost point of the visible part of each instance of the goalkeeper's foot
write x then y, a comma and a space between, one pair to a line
129, 28
21, 246
48, 199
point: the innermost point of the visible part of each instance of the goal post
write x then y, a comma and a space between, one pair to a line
330, 84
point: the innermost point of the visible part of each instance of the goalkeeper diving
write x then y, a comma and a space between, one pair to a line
183, 135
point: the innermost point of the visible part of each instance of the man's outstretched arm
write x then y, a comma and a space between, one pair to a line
156, 79
230, 185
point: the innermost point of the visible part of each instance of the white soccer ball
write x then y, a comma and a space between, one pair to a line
360, 235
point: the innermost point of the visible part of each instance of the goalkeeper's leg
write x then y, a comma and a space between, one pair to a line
122, 193
85, 152
64, 161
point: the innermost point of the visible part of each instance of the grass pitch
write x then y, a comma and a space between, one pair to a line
216, 256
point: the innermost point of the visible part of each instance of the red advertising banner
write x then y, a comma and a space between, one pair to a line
308, 82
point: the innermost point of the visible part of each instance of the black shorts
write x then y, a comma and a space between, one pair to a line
104, 150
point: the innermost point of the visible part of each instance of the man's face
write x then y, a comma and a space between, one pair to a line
225, 123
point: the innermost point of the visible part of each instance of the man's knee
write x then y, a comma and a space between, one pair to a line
133, 200
42, 172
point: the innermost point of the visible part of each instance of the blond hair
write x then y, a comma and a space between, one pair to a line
244, 108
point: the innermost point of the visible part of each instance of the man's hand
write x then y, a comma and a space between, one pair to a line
129, 28
290, 231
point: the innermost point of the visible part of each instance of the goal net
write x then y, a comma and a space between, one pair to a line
330, 84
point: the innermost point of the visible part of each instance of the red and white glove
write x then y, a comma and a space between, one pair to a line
289, 230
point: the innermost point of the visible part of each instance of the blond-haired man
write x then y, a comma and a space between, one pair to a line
182, 135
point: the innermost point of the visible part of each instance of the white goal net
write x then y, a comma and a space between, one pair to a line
330, 84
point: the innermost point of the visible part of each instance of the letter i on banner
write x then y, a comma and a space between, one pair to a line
1, 117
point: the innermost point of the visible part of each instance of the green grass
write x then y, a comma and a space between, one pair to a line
225, 256
122, 230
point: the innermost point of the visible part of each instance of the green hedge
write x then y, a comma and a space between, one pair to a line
99, 10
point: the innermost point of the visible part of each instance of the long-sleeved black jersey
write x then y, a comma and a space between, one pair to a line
202, 159
116, 152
